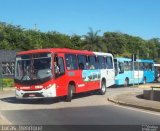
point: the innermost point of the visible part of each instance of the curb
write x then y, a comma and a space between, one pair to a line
133, 105
148, 86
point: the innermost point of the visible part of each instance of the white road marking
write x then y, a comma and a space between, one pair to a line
4, 120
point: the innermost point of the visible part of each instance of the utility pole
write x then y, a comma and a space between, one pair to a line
133, 69
138, 66
133, 57
1, 77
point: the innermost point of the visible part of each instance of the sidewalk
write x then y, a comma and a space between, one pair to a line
7, 89
134, 99
3, 120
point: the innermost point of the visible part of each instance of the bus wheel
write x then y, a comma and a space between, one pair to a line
102, 91
144, 80
126, 82
70, 93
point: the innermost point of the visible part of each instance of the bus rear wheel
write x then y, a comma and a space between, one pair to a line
70, 93
102, 91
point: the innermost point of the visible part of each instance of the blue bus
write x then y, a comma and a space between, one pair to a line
143, 71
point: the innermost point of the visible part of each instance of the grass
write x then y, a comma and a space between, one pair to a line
6, 82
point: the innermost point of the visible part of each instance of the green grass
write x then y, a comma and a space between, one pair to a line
6, 82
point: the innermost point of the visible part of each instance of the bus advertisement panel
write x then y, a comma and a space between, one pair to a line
62, 72
143, 71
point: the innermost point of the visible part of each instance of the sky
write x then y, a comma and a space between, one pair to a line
134, 17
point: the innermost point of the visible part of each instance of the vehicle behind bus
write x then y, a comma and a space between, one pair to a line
157, 72
127, 72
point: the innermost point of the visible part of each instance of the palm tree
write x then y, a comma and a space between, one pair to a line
92, 41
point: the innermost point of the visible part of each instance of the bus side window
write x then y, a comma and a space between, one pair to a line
58, 67
71, 62
141, 66
150, 66
61, 65
120, 67
109, 62
82, 61
81, 66
92, 62
101, 62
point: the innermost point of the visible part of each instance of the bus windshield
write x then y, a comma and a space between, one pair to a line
33, 66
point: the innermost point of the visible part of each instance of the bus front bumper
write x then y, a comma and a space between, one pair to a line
50, 92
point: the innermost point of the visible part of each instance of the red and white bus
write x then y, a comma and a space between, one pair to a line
62, 72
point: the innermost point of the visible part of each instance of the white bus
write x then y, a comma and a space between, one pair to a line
157, 72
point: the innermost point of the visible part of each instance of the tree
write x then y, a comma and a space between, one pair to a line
59, 40
92, 41
115, 42
76, 42
119, 44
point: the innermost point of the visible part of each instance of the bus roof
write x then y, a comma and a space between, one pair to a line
62, 50
55, 50
128, 59
102, 53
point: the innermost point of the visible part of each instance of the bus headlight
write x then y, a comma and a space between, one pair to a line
50, 85
38, 87
17, 88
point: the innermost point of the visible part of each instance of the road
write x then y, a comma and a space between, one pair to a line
85, 109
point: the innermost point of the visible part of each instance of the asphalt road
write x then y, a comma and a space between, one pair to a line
85, 109
93, 115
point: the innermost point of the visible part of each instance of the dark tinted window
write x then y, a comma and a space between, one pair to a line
136, 66
109, 62
141, 66
61, 65
71, 62
82, 60
148, 66
127, 65
120, 67
92, 62
101, 62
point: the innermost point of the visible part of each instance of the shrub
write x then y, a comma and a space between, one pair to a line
7, 82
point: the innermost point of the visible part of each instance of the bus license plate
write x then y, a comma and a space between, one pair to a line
31, 95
